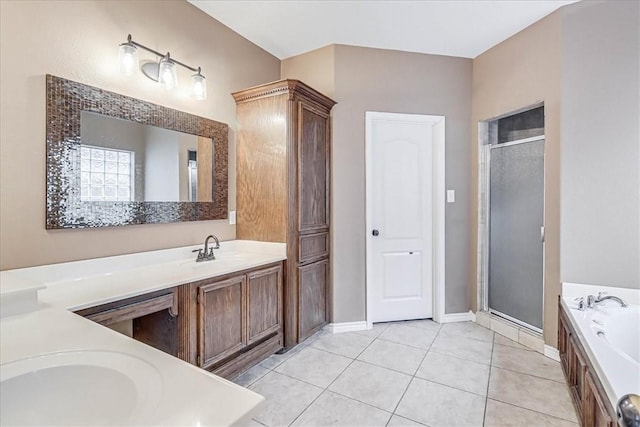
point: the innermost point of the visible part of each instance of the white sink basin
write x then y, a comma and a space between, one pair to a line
78, 388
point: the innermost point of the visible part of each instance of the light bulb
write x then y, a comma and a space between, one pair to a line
128, 58
198, 86
167, 73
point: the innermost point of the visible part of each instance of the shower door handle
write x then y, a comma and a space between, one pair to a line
542, 233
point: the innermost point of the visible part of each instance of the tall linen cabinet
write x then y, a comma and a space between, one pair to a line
283, 183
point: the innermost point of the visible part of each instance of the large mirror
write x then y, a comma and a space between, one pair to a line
115, 160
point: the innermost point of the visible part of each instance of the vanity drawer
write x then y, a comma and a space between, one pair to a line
313, 246
132, 308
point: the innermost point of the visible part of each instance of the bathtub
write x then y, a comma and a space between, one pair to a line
610, 335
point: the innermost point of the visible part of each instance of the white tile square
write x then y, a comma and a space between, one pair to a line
349, 344
453, 372
285, 398
379, 387
314, 366
467, 330
398, 357
438, 405
331, 409
409, 335
464, 348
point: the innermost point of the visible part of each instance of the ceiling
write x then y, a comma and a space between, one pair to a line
463, 28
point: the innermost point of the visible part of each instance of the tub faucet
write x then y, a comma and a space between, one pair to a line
592, 301
207, 254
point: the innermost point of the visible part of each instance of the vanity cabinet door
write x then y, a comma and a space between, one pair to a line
563, 340
264, 303
576, 373
221, 320
313, 288
313, 169
595, 413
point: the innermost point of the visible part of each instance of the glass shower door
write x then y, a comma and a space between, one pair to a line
515, 232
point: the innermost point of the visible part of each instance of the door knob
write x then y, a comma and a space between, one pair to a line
375, 232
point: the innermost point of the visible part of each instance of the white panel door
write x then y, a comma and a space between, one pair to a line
401, 180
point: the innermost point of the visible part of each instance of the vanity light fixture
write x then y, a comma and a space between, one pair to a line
164, 71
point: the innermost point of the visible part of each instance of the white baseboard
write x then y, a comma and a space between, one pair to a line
551, 353
338, 328
459, 317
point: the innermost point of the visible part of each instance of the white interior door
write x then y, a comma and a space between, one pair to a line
400, 178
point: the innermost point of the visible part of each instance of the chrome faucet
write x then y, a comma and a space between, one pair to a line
592, 301
207, 254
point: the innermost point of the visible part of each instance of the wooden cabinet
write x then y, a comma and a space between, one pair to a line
222, 327
313, 280
223, 324
589, 399
264, 303
283, 181
594, 412
152, 316
230, 323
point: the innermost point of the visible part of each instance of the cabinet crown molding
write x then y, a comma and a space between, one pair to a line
286, 86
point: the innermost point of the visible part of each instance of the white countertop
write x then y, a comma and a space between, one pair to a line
618, 373
82, 284
190, 395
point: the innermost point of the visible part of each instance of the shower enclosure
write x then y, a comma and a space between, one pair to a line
514, 174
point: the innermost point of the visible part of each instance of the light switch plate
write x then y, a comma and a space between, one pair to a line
451, 196
232, 217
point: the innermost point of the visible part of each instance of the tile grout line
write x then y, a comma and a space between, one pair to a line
531, 375
461, 358
329, 385
486, 399
533, 410
413, 377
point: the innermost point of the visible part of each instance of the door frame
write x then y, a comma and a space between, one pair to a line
438, 205
484, 230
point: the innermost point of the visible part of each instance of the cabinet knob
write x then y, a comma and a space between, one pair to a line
375, 232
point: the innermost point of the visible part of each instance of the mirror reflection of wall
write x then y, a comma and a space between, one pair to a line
193, 175
128, 161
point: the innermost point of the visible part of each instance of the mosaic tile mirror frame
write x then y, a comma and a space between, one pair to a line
67, 206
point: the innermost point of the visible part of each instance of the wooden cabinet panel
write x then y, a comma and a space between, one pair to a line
262, 173
283, 168
313, 281
595, 413
589, 398
313, 168
577, 369
313, 246
264, 302
221, 315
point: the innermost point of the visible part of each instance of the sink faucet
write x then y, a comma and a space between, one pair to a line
207, 254
592, 301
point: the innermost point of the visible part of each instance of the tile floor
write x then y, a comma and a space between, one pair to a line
411, 374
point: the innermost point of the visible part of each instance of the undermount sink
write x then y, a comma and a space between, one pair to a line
78, 388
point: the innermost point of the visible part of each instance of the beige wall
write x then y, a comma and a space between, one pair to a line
391, 81
316, 68
601, 144
521, 71
78, 40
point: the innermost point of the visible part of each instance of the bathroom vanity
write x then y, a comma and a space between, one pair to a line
585, 388
598, 349
221, 315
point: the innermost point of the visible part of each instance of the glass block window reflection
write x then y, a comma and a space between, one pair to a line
106, 174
